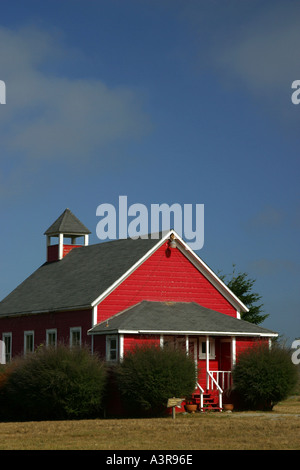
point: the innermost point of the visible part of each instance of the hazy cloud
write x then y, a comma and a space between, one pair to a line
268, 267
262, 53
50, 117
267, 218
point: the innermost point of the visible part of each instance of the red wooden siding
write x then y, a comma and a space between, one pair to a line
163, 277
52, 253
132, 341
68, 248
99, 346
39, 323
242, 344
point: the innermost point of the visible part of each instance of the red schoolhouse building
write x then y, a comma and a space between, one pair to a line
115, 295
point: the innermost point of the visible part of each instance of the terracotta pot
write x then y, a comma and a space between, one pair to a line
191, 408
228, 406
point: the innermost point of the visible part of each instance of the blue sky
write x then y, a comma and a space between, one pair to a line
163, 101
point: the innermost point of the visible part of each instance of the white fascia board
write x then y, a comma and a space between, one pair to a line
209, 333
180, 333
133, 268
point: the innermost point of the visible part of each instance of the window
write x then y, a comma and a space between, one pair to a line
75, 336
51, 337
7, 338
202, 348
112, 348
28, 342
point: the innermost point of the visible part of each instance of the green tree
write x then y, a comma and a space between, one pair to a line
241, 285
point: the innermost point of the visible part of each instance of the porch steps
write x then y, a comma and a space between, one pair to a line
210, 401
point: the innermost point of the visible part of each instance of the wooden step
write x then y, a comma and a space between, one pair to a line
210, 400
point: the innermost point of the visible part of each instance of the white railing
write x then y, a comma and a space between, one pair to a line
201, 395
221, 378
215, 383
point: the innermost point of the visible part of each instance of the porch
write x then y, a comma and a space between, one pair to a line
214, 359
210, 337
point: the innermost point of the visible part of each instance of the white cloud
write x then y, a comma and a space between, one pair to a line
50, 117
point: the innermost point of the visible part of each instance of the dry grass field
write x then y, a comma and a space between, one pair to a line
276, 430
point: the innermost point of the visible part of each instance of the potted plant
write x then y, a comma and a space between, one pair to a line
190, 406
228, 399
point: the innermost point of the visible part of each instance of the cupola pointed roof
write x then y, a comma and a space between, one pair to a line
68, 224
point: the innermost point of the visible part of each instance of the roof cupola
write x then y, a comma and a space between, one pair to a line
67, 226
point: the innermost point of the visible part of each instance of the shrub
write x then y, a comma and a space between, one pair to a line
263, 377
60, 383
148, 376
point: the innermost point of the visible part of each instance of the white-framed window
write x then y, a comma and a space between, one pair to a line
28, 342
202, 348
7, 339
51, 337
112, 348
75, 336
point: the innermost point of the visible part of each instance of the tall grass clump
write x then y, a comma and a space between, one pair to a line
263, 377
54, 383
148, 376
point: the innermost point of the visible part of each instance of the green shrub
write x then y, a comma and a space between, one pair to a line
262, 377
148, 376
59, 383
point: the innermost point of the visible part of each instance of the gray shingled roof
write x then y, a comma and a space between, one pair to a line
76, 280
68, 224
176, 318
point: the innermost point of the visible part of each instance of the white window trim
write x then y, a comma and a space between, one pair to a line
28, 333
212, 348
108, 349
75, 329
51, 331
7, 335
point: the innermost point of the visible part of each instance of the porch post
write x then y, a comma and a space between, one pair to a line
161, 341
121, 345
233, 351
92, 345
233, 358
187, 344
207, 362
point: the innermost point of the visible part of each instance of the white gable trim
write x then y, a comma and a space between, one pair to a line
211, 276
130, 271
194, 259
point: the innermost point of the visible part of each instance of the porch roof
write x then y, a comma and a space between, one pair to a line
177, 318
